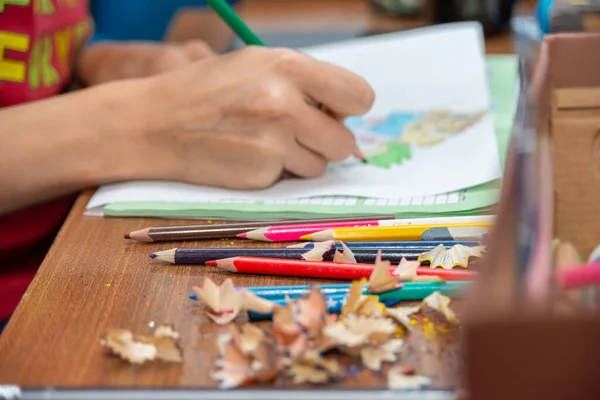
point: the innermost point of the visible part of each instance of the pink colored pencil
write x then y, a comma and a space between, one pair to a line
576, 277
291, 233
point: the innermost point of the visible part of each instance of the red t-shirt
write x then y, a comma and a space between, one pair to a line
39, 40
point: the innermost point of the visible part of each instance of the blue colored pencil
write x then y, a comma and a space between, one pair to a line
409, 291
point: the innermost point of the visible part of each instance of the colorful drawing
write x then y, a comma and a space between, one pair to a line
388, 140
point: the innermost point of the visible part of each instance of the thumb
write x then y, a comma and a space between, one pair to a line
196, 50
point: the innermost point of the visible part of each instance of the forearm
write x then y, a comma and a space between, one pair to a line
61, 145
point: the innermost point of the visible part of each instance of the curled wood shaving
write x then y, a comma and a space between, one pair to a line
357, 303
312, 368
137, 349
402, 314
225, 302
318, 251
233, 367
440, 304
374, 356
246, 357
406, 271
399, 381
457, 256
312, 311
380, 279
346, 257
357, 330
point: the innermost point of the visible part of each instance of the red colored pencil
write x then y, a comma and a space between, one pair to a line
322, 269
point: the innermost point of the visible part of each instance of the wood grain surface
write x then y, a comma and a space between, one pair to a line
93, 279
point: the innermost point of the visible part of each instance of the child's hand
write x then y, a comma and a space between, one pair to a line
111, 61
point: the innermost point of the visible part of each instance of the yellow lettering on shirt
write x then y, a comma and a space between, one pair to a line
20, 3
62, 44
81, 30
40, 65
45, 7
12, 70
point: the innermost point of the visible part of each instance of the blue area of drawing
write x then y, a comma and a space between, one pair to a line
394, 124
354, 122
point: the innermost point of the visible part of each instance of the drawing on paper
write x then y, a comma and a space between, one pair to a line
389, 140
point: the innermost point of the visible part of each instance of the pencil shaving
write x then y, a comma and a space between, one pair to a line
357, 303
359, 330
457, 256
439, 303
246, 357
138, 349
347, 256
402, 315
380, 279
406, 271
303, 332
311, 311
315, 369
226, 303
398, 380
374, 357
318, 252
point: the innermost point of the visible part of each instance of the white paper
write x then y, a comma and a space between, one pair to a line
441, 67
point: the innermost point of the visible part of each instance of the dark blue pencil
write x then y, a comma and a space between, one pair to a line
200, 255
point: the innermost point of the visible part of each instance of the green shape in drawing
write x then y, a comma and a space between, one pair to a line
396, 153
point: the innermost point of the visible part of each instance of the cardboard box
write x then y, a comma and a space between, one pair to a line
572, 97
516, 346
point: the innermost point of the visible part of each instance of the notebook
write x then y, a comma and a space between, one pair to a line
174, 199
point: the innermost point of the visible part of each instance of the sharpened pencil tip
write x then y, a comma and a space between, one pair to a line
153, 256
243, 235
211, 263
127, 236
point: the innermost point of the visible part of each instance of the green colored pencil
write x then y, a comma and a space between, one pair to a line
235, 22
247, 36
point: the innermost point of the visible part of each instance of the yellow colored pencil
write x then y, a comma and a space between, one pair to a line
430, 232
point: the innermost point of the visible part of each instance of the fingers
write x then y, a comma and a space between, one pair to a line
322, 134
303, 162
196, 50
342, 91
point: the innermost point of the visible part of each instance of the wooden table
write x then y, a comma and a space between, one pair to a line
93, 279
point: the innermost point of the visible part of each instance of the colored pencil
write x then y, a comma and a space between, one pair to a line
580, 276
235, 22
200, 255
287, 233
224, 230
411, 245
244, 32
336, 299
474, 231
409, 290
321, 269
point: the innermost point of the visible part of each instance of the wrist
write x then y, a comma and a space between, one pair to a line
110, 131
